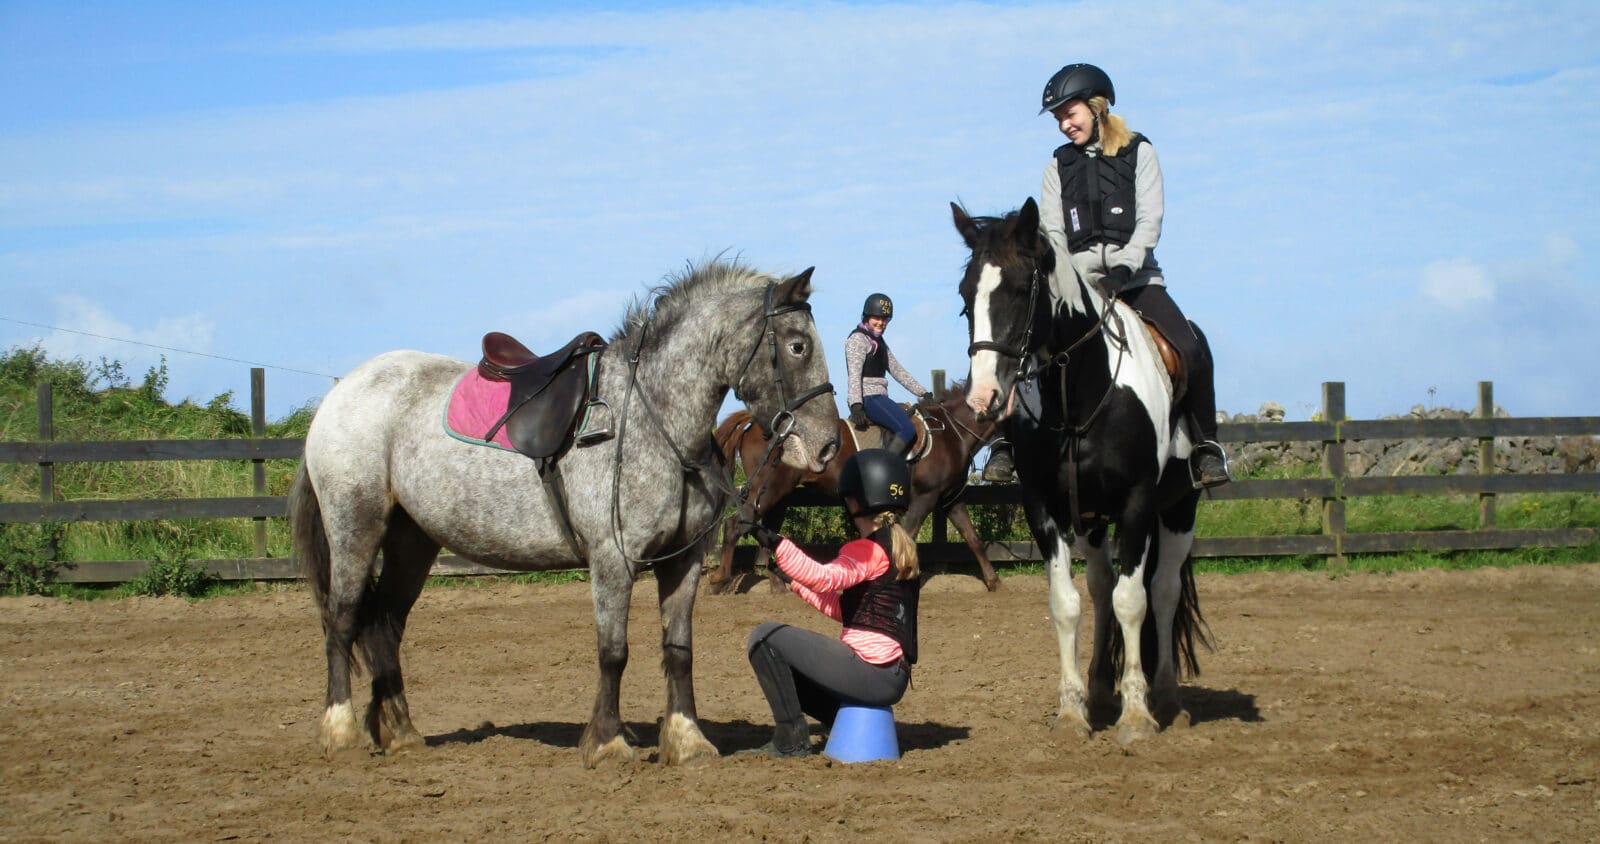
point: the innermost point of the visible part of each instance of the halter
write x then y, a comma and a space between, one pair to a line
781, 426
1022, 353
783, 421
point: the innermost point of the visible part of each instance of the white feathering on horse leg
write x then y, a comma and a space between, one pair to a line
1066, 611
1131, 604
682, 743
339, 730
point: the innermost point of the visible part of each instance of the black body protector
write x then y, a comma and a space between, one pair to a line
1098, 194
877, 363
884, 604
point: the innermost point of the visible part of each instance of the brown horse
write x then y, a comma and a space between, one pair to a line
954, 434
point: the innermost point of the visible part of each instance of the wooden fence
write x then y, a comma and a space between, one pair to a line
1332, 490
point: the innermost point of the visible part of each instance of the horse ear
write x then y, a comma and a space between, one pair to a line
964, 224
1028, 225
795, 289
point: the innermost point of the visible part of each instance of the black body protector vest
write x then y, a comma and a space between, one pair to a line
884, 604
1097, 194
877, 363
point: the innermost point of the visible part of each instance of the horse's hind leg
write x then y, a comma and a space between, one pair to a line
681, 739
1176, 541
408, 555
1102, 661
353, 538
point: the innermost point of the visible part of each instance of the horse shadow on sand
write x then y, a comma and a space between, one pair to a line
727, 736
1201, 703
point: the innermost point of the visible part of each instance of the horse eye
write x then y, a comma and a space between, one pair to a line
797, 348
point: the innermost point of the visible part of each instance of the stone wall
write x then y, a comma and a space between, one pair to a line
1383, 458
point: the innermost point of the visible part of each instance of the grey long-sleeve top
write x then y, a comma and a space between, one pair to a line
856, 349
1138, 254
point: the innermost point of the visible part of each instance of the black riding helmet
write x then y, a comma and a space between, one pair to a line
878, 305
879, 479
1077, 82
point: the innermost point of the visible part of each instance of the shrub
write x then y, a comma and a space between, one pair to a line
27, 557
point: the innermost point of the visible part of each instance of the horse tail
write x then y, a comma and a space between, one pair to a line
310, 542
1189, 626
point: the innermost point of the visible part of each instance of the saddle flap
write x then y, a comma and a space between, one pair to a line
548, 396
1169, 359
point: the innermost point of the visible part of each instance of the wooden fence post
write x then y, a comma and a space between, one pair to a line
1333, 467
258, 429
1486, 455
941, 524
47, 470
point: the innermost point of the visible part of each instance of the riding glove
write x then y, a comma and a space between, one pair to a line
1117, 278
858, 417
764, 536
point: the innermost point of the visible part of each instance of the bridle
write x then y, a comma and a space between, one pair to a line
782, 424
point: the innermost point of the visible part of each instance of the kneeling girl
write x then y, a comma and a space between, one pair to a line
871, 587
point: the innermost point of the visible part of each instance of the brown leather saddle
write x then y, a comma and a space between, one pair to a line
926, 427
550, 394
1170, 358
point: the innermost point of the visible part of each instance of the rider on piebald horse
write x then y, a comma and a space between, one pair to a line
1101, 204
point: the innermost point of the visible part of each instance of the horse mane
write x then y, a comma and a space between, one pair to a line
666, 303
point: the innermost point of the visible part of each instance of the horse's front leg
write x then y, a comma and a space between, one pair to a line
1066, 611
1130, 602
611, 587
681, 739
963, 522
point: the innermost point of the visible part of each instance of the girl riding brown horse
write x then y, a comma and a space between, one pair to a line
954, 436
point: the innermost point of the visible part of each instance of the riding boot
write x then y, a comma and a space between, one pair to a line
791, 736
1208, 463
900, 447
1000, 469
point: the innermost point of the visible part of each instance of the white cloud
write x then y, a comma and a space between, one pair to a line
1457, 284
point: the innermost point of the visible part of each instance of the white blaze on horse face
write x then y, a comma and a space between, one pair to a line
986, 363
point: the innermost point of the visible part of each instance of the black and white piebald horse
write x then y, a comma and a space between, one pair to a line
1101, 452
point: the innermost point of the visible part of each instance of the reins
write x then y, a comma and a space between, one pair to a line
781, 425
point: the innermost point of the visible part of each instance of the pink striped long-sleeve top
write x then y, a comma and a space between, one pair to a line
820, 584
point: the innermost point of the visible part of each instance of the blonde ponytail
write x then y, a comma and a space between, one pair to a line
1114, 131
902, 547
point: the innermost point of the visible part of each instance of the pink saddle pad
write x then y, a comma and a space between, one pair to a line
475, 405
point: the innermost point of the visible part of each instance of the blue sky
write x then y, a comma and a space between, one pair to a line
1400, 196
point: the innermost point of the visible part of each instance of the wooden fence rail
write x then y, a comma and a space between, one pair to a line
1332, 490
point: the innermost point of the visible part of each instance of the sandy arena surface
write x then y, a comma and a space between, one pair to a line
1420, 706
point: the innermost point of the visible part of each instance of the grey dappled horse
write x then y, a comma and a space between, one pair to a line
1087, 402
380, 472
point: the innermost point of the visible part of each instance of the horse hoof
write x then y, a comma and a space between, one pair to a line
616, 749
403, 742
992, 585
339, 732
682, 743
1135, 731
1182, 720
1072, 724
